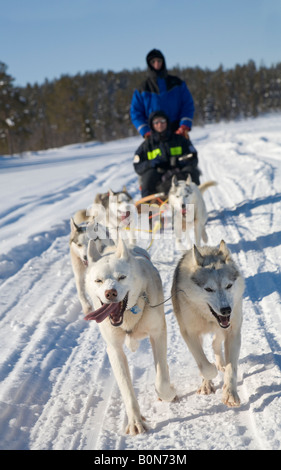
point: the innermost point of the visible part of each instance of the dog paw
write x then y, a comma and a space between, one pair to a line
167, 394
206, 388
230, 397
136, 426
174, 400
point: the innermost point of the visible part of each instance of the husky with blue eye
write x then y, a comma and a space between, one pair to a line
207, 298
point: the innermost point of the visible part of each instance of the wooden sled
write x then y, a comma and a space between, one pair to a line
159, 199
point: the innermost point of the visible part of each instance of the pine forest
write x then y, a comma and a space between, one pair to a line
96, 105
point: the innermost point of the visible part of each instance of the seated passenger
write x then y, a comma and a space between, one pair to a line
163, 154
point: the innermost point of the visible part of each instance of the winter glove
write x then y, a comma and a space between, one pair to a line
183, 130
158, 161
181, 163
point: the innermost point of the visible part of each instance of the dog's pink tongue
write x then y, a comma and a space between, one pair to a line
224, 321
101, 313
125, 215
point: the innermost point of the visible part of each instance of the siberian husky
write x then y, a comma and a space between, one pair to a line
126, 292
114, 210
79, 239
207, 298
189, 210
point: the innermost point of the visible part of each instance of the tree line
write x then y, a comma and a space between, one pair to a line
96, 105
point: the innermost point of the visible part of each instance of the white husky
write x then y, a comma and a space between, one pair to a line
124, 286
182, 195
207, 298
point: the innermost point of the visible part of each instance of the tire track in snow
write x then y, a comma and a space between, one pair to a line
43, 333
83, 399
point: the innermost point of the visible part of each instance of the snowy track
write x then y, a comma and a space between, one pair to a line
57, 389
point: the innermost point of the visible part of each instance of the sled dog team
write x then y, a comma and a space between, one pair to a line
120, 288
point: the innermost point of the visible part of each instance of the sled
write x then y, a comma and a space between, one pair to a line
157, 198
157, 205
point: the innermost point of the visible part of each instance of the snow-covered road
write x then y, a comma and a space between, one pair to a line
57, 389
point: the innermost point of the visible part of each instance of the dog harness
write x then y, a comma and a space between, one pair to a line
135, 309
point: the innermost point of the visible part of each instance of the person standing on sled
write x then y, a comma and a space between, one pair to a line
162, 91
158, 158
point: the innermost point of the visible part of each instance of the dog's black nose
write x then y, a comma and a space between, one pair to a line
225, 311
111, 294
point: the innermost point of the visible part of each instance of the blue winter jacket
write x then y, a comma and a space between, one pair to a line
169, 94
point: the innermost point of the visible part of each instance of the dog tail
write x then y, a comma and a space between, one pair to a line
202, 187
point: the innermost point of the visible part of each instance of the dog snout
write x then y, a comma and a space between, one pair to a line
111, 294
225, 310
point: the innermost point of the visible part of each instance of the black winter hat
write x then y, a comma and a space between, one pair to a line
156, 114
153, 54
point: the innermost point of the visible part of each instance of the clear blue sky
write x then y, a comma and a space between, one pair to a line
46, 39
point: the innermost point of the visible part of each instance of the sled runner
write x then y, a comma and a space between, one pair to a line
156, 205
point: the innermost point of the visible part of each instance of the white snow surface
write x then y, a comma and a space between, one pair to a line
57, 388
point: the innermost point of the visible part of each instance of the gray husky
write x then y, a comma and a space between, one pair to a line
78, 243
207, 298
114, 210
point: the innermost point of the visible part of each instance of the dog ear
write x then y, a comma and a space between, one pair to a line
97, 198
121, 250
93, 253
198, 258
188, 179
174, 181
73, 225
224, 250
